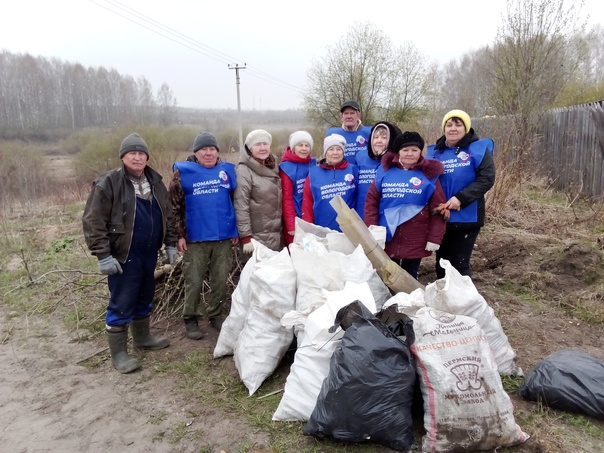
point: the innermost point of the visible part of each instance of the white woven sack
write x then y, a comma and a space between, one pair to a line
456, 294
315, 348
318, 268
263, 340
240, 303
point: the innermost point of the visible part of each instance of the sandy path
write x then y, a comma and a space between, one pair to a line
49, 403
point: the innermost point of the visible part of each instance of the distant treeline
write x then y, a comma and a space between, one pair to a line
39, 94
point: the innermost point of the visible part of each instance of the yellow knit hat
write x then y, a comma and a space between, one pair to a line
463, 116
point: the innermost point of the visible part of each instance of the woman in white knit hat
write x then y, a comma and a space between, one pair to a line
293, 170
257, 197
332, 176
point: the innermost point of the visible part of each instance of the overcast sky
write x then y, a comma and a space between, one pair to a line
189, 44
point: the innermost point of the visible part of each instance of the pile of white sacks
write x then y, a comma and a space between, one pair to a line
460, 348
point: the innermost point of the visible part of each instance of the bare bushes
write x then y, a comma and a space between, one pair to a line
170, 291
512, 163
23, 175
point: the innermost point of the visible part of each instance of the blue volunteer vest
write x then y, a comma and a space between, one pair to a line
460, 171
367, 168
326, 184
297, 173
356, 141
404, 193
209, 209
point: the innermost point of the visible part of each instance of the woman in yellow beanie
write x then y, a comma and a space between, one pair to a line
469, 174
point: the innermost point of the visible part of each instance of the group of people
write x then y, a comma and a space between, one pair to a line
431, 203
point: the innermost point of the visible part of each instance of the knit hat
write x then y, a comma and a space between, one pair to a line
133, 142
353, 104
406, 139
203, 140
463, 116
299, 137
334, 139
258, 136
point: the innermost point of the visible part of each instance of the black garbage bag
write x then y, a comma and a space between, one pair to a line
568, 380
368, 393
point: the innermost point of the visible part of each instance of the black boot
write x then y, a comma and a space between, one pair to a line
216, 322
142, 338
192, 329
118, 346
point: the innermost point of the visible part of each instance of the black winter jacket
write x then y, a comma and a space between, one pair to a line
485, 178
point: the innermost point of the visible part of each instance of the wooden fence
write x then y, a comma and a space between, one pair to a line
568, 147
571, 148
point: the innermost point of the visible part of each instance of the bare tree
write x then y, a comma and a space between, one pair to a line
167, 105
532, 61
365, 66
587, 82
413, 79
146, 102
465, 83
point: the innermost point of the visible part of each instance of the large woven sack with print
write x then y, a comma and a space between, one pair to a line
456, 294
465, 405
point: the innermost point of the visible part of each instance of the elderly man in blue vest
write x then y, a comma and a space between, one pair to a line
353, 131
202, 195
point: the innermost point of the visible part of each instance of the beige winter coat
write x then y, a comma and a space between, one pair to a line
257, 201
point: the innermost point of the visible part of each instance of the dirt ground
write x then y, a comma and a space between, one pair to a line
52, 402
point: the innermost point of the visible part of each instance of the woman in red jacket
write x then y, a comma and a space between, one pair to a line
293, 170
403, 197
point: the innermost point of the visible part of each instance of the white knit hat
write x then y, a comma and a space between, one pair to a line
258, 136
334, 139
299, 137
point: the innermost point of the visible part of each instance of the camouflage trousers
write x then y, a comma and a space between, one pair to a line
213, 257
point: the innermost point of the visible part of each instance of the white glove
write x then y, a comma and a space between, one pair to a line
432, 247
248, 248
172, 254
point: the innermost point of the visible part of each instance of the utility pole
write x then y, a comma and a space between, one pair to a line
236, 67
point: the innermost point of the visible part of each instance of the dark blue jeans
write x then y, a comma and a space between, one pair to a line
132, 291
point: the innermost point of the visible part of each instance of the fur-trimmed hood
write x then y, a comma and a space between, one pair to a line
430, 167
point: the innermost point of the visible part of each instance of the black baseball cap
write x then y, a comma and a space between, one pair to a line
353, 104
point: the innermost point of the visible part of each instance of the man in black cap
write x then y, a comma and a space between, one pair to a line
127, 218
356, 135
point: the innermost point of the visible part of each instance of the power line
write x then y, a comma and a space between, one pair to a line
186, 41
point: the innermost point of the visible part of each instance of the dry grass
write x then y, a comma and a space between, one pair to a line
525, 271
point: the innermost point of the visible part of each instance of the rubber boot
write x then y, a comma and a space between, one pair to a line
142, 338
216, 322
192, 329
118, 346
